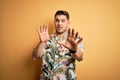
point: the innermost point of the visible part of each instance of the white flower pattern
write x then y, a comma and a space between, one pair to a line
58, 64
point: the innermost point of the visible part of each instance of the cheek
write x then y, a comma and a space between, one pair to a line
67, 24
56, 23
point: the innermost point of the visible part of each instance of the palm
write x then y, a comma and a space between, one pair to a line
43, 33
72, 42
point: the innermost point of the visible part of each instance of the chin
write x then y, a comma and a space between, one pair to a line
60, 32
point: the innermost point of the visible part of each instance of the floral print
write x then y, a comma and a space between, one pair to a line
57, 62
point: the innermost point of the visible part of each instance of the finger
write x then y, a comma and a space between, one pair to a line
41, 28
76, 35
39, 33
73, 33
46, 28
79, 40
63, 44
38, 30
69, 33
60, 43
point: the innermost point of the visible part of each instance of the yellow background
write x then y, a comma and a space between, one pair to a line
97, 21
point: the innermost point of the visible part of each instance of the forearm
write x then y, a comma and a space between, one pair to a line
38, 51
78, 55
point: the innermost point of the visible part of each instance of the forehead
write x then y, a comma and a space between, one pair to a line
60, 17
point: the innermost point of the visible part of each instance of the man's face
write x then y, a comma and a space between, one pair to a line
61, 24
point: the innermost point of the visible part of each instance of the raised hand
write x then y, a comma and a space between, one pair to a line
43, 33
72, 41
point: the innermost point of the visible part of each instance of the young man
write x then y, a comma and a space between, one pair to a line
60, 50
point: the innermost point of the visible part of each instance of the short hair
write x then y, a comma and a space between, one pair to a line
62, 12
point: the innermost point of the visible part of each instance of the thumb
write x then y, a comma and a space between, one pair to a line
61, 43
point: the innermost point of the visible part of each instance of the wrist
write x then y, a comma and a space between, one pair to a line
73, 51
42, 43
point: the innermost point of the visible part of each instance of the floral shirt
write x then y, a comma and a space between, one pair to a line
57, 62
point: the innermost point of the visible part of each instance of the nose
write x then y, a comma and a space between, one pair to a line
59, 23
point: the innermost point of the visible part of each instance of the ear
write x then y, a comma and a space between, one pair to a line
54, 21
68, 22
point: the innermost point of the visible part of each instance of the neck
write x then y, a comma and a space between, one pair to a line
60, 35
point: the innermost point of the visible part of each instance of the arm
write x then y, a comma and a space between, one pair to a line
72, 43
37, 52
78, 55
44, 37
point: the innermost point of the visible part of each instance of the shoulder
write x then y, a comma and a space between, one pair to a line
51, 35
